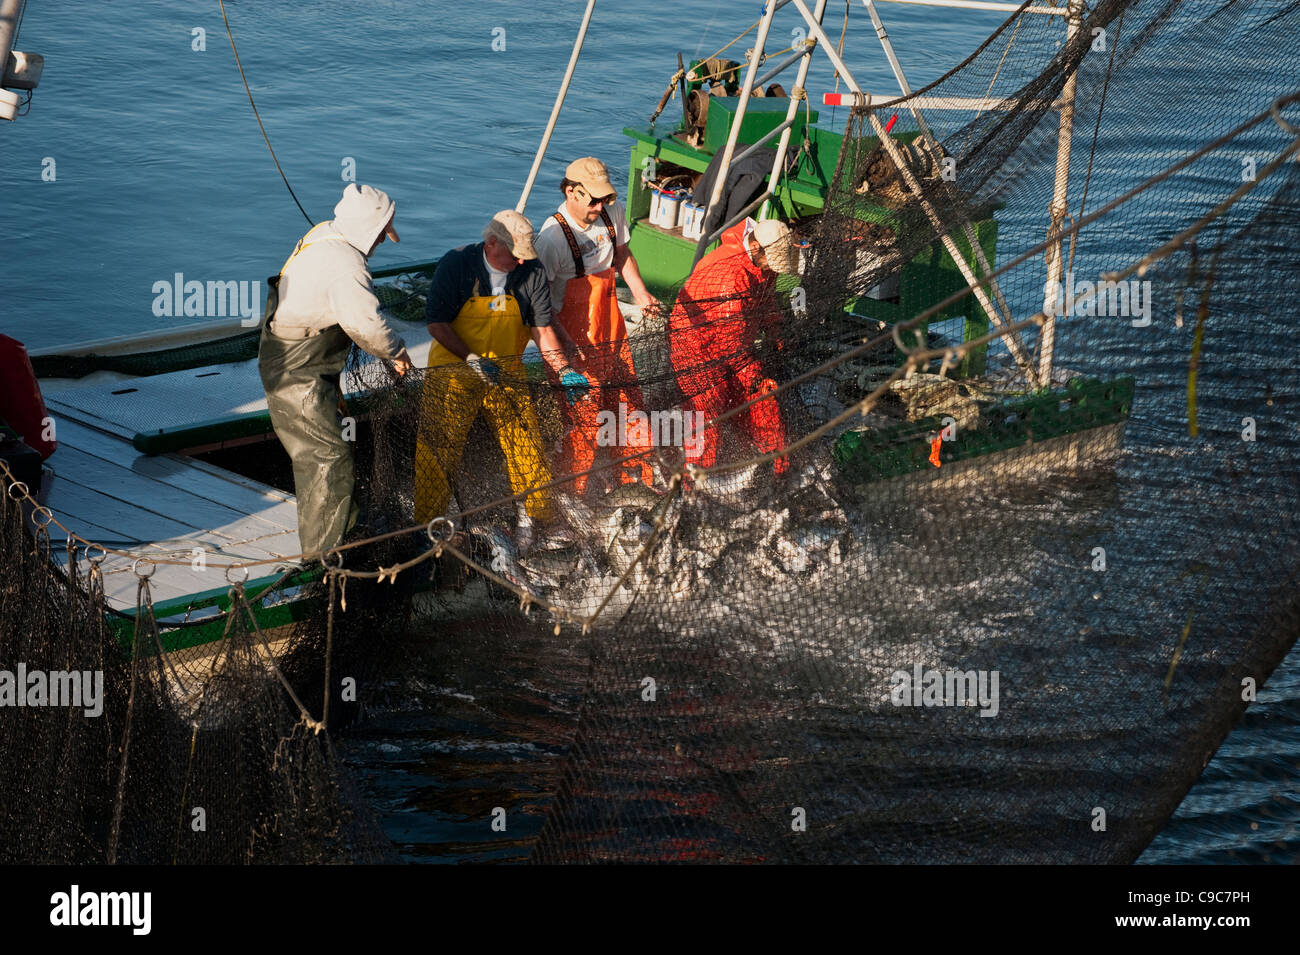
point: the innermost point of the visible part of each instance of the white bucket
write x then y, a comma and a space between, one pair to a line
656, 200
689, 217
670, 209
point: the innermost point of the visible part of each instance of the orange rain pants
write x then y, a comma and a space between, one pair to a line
591, 317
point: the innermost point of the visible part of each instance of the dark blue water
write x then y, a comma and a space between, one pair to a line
160, 168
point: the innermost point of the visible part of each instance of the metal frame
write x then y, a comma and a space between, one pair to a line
891, 148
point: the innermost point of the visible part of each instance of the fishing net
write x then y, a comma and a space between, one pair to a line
893, 570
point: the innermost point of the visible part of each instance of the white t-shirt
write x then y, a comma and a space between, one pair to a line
593, 243
496, 277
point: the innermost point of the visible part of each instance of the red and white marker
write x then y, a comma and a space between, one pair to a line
849, 99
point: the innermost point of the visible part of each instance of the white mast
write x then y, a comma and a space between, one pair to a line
891, 148
976, 249
1052, 299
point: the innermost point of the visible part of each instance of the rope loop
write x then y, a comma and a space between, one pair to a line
1276, 111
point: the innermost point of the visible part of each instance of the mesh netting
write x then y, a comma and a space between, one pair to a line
866, 584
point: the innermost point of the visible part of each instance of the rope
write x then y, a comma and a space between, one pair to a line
1092, 153
735, 41
258, 115
143, 602
237, 592
839, 46
989, 92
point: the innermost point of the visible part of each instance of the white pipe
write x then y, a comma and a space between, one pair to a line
760, 41
778, 166
555, 110
890, 147
1060, 206
984, 5
976, 104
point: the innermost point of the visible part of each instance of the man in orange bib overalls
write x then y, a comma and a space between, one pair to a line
583, 246
484, 301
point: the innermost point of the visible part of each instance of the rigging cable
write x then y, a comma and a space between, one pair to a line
1092, 154
259, 115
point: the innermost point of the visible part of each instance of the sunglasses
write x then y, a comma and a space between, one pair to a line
592, 203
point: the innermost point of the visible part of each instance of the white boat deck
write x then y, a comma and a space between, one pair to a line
126, 405
167, 505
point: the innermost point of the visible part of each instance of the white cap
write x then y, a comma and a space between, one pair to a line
778, 242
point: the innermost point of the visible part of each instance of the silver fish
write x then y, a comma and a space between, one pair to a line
497, 551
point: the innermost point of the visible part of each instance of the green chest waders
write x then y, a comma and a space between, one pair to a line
301, 378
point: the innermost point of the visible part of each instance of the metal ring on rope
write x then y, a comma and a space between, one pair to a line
45, 512
440, 522
231, 580
325, 559
21, 494
103, 552
135, 565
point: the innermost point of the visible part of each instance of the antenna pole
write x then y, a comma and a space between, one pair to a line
555, 110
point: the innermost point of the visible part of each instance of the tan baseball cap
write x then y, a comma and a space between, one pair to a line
778, 242
514, 231
592, 175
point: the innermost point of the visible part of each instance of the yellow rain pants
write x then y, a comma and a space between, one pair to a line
490, 326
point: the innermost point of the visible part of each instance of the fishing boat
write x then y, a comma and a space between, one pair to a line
161, 436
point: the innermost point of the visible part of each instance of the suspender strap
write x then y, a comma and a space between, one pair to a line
578, 269
609, 227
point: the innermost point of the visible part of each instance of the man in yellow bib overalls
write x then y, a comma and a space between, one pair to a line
484, 301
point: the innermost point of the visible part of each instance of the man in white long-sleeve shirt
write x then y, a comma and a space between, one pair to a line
322, 302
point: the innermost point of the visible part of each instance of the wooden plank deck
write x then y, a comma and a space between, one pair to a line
106, 491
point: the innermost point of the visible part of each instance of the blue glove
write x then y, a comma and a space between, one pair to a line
575, 385
485, 368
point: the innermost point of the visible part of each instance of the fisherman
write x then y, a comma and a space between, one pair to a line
728, 303
583, 245
484, 302
321, 302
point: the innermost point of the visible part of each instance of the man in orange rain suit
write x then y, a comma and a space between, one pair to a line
727, 303
583, 246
